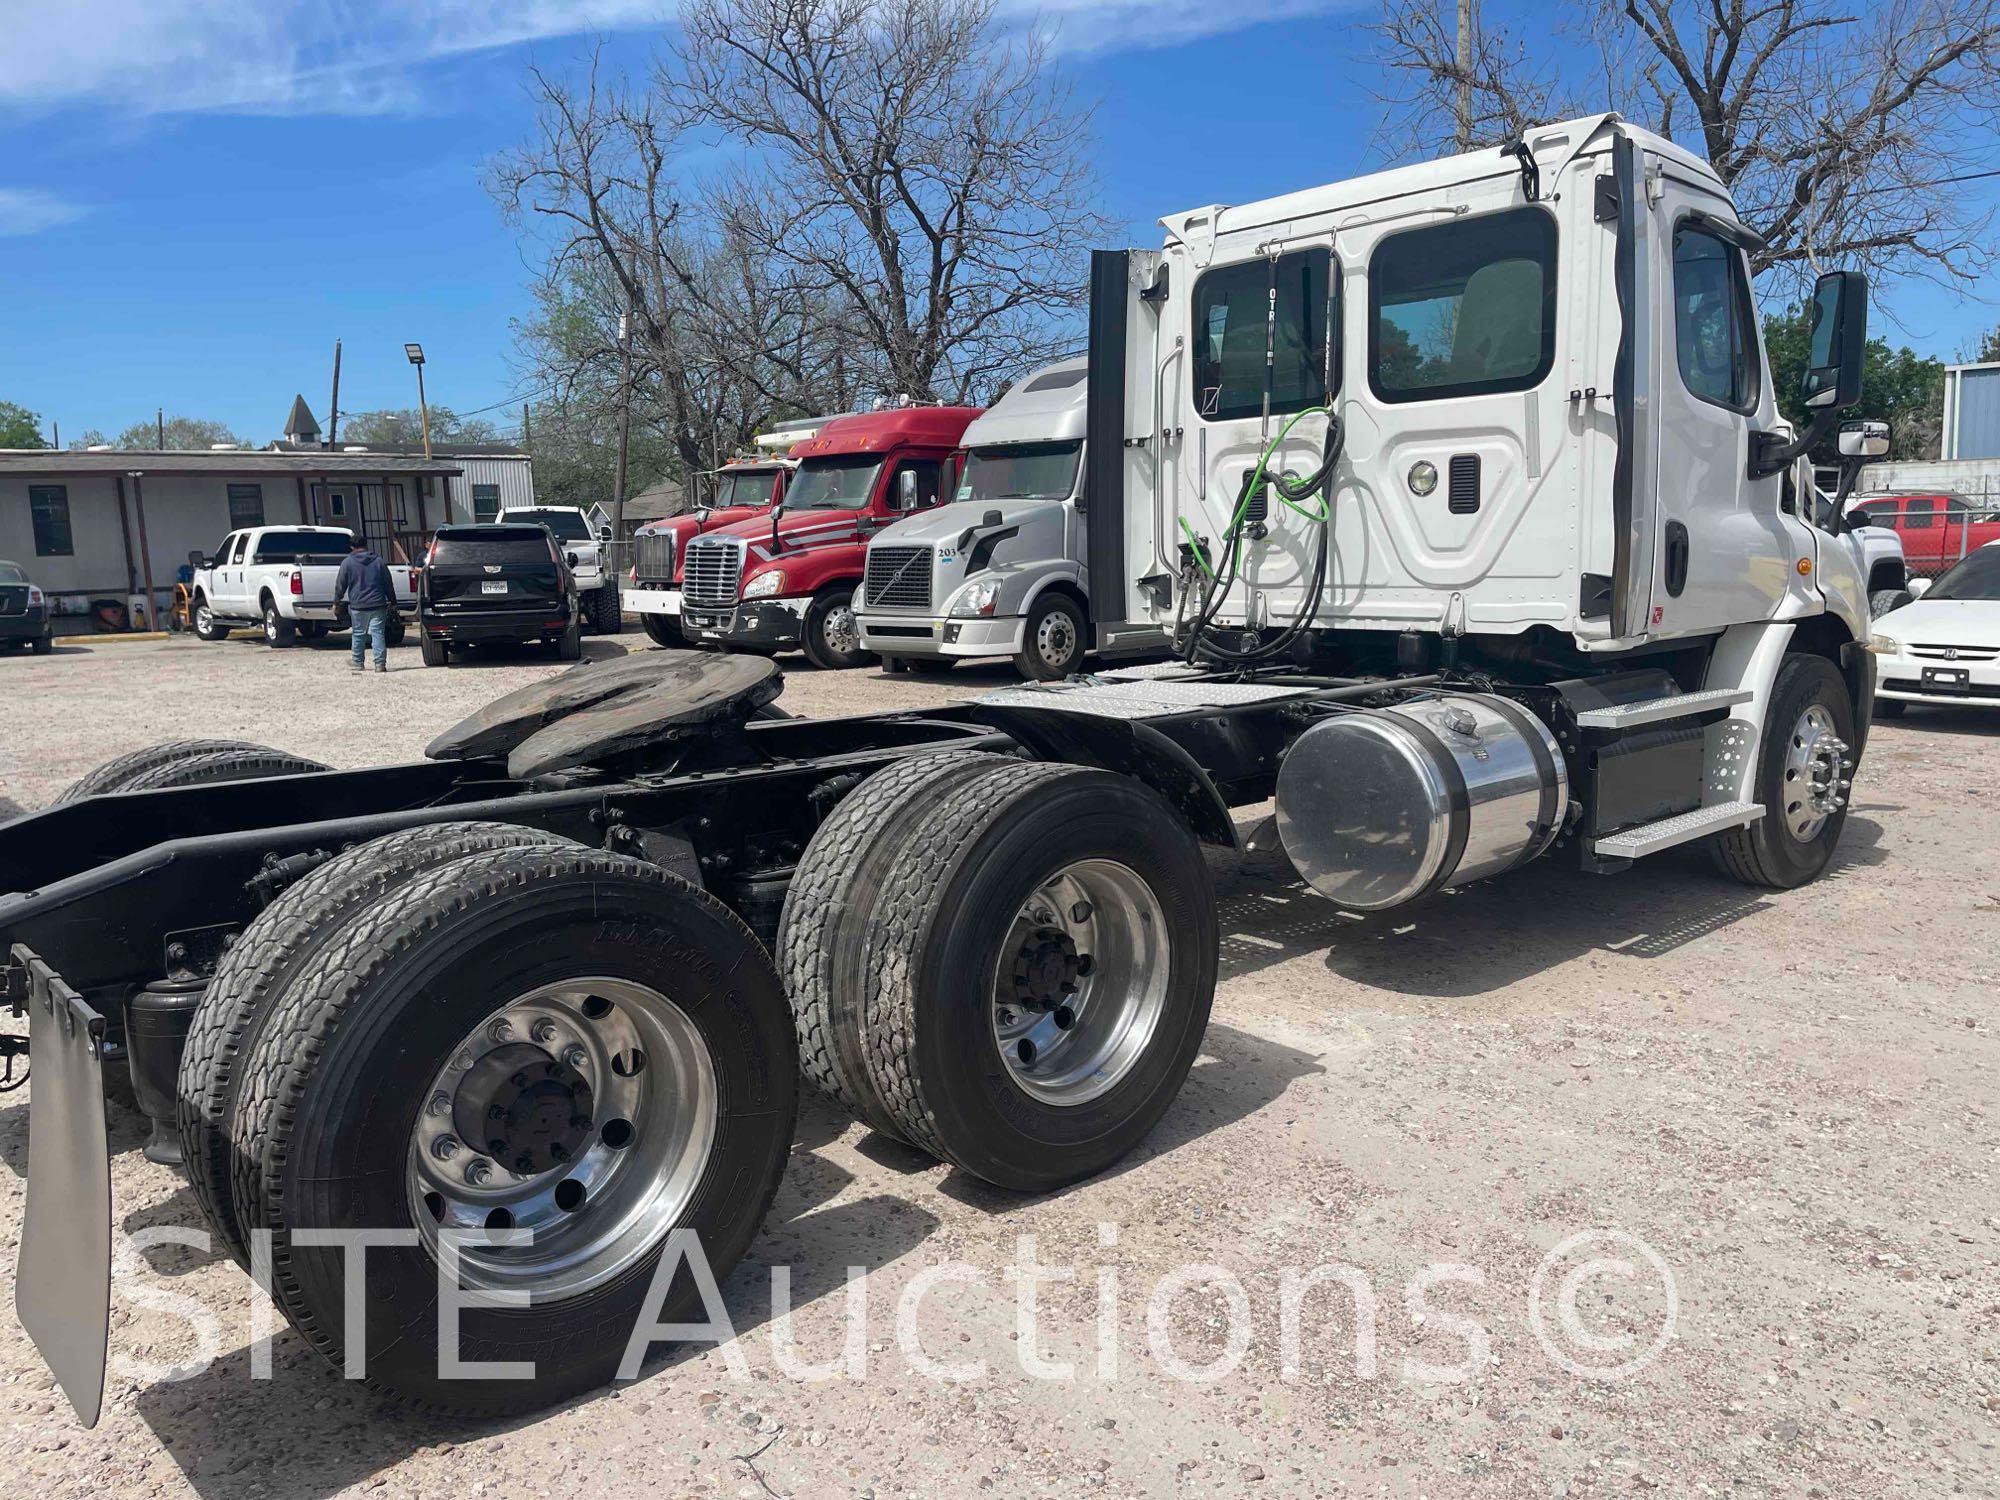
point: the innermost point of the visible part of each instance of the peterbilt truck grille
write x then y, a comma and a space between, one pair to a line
713, 572
898, 578
653, 557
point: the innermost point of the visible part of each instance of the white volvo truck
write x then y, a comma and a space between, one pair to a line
1002, 570
1461, 489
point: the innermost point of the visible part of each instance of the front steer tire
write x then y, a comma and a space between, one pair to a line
936, 950
1052, 639
1767, 852
271, 952
337, 1080
829, 635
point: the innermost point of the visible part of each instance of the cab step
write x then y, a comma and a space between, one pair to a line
1657, 710
1682, 828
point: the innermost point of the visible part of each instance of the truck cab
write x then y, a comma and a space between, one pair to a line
785, 581
743, 489
1002, 570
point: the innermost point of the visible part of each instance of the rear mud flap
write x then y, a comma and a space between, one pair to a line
62, 1281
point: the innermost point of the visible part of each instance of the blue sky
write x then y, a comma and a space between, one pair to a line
198, 196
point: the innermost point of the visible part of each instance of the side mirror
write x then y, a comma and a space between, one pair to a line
1858, 518
906, 490
201, 560
1866, 439
1838, 335
570, 558
1919, 587
604, 533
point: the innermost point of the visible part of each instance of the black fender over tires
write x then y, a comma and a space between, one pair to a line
820, 935
338, 1074
269, 954
922, 1014
1766, 852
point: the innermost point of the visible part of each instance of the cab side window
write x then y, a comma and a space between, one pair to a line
1234, 329
221, 552
1919, 515
1463, 309
930, 476
1714, 328
242, 543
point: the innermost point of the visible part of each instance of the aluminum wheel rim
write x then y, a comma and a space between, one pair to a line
653, 1117
270, 625
1055, 639
1096, 927
1815, 785
839, 631
204, 618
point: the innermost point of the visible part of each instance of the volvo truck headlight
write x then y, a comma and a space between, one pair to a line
975, 598
765, 584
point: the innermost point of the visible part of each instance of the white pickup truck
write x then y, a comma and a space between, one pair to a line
280, 578
596, 585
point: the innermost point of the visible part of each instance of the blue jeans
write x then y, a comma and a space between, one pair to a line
370, 625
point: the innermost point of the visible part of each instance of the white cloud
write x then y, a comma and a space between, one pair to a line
276, 57
362, 57
30, 211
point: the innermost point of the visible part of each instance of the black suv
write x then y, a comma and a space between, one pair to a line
24, 612
496, 583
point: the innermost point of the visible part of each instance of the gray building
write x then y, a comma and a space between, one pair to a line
487, 477
118, 524
1971, 411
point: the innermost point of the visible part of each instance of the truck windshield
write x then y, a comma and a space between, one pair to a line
301, 546
1021, 471
744, 489
1977, 577
567, 524
833, 484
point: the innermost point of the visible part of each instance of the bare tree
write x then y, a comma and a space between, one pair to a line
1837, 128
926, 170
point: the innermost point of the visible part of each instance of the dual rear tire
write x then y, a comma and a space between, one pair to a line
469, 1028
1007, 964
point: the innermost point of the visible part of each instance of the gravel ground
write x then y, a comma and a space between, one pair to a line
1787, 1097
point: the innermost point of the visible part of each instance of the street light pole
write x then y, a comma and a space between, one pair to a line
416, 357
624, 428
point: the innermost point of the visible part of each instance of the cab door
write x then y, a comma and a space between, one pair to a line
1727, 549
230, 598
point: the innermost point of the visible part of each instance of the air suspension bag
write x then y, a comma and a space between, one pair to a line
1377, 807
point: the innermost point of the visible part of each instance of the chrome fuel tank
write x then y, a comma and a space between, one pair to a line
1382, 806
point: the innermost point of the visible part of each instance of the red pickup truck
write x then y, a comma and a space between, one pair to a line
785, 581
744, 488
1937, 529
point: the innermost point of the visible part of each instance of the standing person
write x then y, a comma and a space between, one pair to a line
364, 582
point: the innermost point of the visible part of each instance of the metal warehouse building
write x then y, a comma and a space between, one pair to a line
1971, 411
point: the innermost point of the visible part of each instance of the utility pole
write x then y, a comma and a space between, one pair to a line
624, 428
1464, 75
333, 408
160, 425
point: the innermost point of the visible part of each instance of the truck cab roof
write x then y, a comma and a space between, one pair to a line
879, 431
1047, 407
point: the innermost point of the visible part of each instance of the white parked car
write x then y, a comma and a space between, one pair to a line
1945, 647
280, 579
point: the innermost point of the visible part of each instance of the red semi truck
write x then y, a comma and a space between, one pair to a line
785, 581
744, 488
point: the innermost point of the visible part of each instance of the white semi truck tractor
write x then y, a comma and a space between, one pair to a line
1460, 491
1003, 569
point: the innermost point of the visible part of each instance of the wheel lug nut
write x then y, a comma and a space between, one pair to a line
440, 1105
478, 1171
544, 1031
495, 1112
501, 1030
574, 1055
445, 1147
462, 1061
